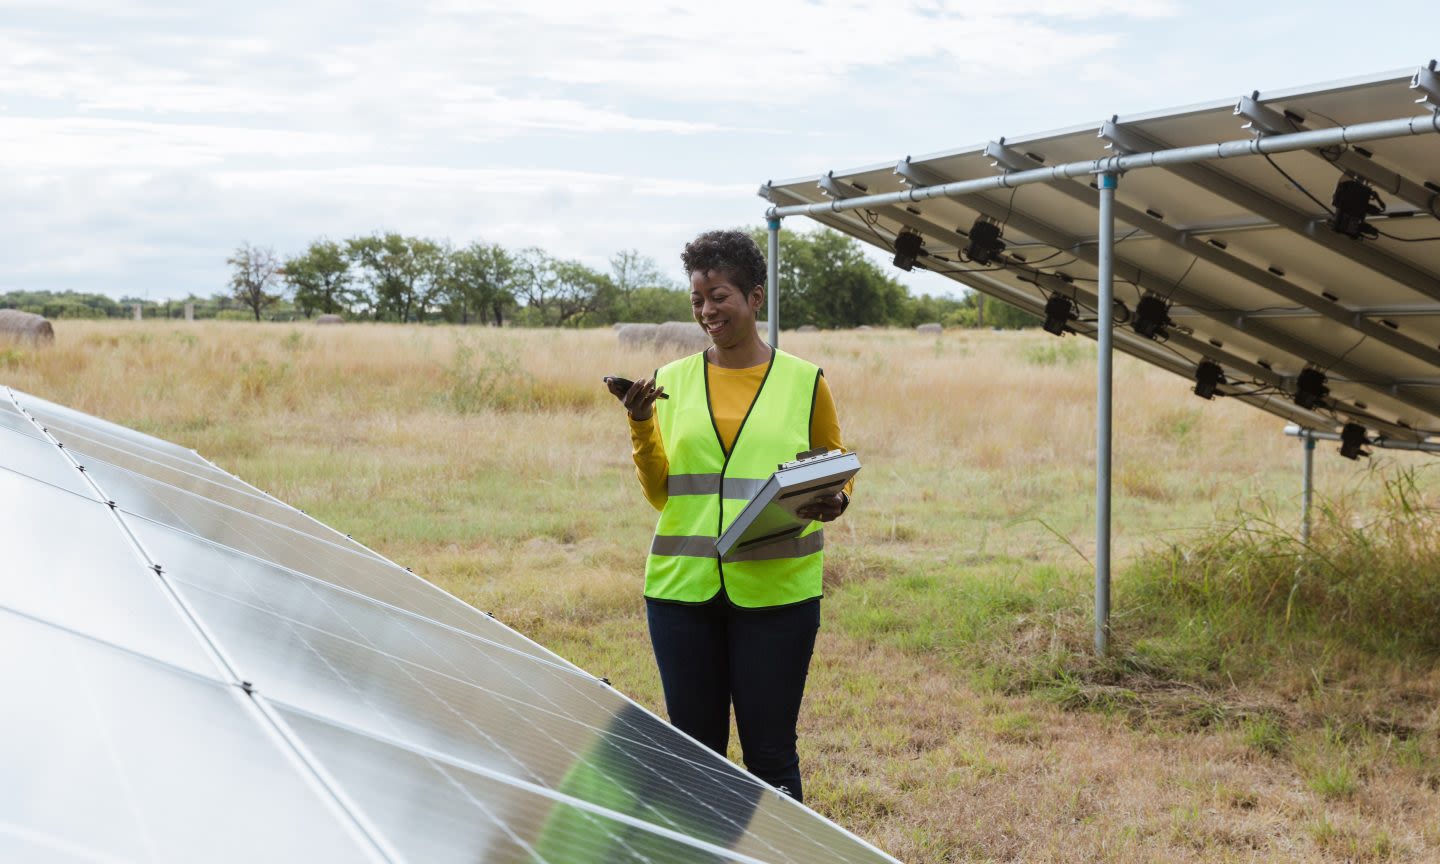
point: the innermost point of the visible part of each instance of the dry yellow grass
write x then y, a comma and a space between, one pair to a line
493, 463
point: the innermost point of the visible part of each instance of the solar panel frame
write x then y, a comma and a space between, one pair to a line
633, 734
1051, 218
480, 703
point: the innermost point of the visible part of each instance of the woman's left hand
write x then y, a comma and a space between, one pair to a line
824, 509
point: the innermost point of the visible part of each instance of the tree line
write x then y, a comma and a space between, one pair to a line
825, 281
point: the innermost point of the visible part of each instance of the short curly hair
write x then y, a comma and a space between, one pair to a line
733, 253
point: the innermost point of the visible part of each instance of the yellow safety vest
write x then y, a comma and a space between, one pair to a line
707, 489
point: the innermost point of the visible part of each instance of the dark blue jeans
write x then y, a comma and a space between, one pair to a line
714, 654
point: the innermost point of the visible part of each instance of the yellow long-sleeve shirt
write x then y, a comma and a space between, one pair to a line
731, 393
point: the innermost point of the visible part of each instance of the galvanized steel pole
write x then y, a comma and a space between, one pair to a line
772, 287
1103, 381
1307, 491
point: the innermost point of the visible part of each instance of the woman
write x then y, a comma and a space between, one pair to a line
741, 631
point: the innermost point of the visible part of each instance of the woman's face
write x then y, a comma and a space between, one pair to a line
726, 312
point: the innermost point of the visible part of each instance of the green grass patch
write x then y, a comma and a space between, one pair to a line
1060, 352
1242, 627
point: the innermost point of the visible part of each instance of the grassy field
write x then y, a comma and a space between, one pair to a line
1265, 701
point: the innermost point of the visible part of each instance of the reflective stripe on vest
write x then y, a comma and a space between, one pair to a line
707, 489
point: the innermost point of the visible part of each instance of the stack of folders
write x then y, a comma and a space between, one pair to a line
770, 517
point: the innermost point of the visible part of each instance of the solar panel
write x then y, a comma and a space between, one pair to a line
1242, 252
375, 715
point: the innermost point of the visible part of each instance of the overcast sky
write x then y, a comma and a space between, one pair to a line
140, 142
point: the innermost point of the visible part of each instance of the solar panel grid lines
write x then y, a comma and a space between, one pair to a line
14, 420
258, 536
43, 460
991, 209
1187, 241
544, 792
103, 587
129, 779
536, 813
120, 719
1159, 354
1284, 215
337, 661
71, 425
1270, 334
206, 639
579, 771
243, 500
1287, 254
71, 434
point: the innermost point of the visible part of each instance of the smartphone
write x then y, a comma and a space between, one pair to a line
624, 384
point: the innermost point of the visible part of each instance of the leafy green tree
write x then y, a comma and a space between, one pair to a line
642, 292
560, 293
255, 271
996, 313
320, 279
62, 304
826, 280
480, 282
404, 275
655, 306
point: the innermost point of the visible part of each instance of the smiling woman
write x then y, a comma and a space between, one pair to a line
740, 632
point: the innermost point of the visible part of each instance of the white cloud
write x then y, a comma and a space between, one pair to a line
152, 138
46, 143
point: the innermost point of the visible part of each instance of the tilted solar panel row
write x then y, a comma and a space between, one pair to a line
212, 675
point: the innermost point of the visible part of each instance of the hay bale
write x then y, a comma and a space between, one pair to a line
932, 327
637, 335
25, 327
807, 328
329, 319
684, 335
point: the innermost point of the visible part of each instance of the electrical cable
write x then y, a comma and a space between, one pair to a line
1408, 239
871, 219
1181, 281
1009, 208
1055, 254
1332, 161
1342, 357
1296, 184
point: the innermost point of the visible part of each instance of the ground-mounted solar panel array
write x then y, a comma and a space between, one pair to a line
1306, 283
196, 671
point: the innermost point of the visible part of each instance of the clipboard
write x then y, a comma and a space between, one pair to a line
770, 515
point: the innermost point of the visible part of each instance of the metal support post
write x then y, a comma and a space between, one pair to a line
772, 286
1307, 491
1103, 383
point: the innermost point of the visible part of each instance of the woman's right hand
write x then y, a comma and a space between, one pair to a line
639, 400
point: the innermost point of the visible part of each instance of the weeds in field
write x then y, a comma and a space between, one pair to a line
1057, 352
13, 358
486, 380
1265, 700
